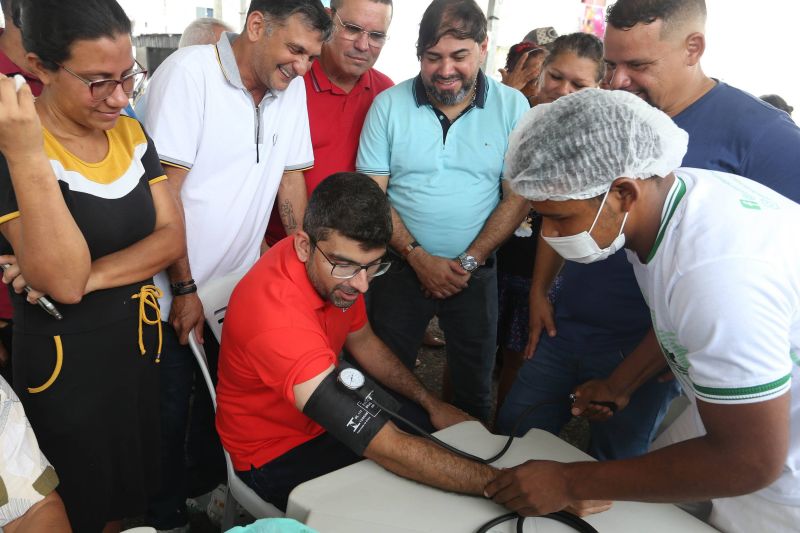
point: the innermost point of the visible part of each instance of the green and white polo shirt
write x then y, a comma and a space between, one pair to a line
723, 286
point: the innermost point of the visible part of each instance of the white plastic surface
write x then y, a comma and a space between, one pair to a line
364, 498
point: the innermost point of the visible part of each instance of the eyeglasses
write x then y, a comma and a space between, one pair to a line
102, 89
352, 32
351, 270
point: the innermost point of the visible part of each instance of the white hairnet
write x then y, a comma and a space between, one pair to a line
575, 147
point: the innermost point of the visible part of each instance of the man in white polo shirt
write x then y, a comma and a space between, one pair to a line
230, 124
717, 261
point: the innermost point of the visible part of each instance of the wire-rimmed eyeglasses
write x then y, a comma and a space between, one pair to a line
352, 32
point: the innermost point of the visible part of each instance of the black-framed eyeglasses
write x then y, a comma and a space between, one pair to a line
102, 89
351, 270
352, 32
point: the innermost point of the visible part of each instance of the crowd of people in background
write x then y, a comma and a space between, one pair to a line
281, 155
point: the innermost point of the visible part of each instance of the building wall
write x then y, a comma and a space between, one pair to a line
171, 16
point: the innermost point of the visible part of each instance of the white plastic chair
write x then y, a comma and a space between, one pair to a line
215, 295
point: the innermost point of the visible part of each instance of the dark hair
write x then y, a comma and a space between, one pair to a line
582, 45
776, 101
518, 51
462, 19
50, 27
11, 11
626, 14
312, 11
352, 204
337, 4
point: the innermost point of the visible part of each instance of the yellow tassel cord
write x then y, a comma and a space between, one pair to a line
148, 297
56, 371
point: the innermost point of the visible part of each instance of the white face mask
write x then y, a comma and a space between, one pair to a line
582, 248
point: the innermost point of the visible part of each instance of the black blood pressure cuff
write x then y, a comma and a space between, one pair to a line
352, 417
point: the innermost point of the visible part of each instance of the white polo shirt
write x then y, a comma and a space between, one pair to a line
723, 286
202, 119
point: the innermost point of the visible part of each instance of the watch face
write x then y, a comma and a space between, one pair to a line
351, 378
469, 263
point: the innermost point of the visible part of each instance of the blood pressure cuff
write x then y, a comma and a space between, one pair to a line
352, 417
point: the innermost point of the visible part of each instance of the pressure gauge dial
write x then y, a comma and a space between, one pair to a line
351, 378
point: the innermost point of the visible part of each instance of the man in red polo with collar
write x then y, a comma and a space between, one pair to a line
288, 409
340, 88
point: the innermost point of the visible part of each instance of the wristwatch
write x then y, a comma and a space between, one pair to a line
468, 263
408, 249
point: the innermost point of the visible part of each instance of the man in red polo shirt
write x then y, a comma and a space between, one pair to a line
281, 413
340, 87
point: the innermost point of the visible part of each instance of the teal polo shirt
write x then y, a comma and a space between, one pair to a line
444, 178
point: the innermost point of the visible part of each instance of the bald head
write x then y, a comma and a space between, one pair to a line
678, 17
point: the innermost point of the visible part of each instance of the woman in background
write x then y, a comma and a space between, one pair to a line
574, 62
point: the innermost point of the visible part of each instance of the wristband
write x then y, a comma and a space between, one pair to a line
180, 284
183, 289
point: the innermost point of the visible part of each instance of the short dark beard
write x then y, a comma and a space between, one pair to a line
329, 296
339, 302
449, 98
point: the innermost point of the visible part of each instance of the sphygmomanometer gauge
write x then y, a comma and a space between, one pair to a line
351, 378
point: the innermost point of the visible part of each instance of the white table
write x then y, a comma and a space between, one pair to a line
365, 498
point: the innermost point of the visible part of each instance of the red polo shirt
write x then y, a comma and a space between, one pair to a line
278, 332
9, 68
335, 118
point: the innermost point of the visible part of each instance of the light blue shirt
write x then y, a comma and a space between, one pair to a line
444, 188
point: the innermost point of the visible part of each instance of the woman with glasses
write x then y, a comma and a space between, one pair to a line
86, 218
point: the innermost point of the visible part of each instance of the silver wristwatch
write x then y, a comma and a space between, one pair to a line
468, 263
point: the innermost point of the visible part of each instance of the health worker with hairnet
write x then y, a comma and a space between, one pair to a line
717, 260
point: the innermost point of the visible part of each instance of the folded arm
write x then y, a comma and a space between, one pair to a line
148, 256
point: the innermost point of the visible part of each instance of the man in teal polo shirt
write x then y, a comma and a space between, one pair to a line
436, 143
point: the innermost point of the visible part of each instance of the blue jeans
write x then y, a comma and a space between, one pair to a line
399, 314
192, 462
553, 374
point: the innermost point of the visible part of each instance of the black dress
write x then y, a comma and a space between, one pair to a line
90, 392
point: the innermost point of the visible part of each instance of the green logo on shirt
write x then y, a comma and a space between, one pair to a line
750, 204
675, 353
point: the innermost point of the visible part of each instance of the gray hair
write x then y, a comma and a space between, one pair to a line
202, 31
